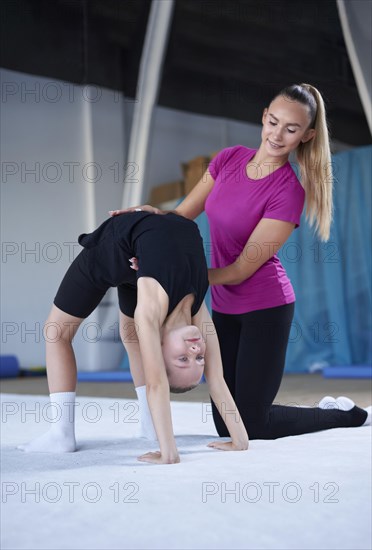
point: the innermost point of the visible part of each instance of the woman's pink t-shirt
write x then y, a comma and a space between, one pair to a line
234, 207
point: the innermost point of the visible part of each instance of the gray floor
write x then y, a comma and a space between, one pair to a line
305, 493
301, 389
195, 503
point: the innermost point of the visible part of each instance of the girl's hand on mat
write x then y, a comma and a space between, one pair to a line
133, 263
228, 445
157, 458
142, 208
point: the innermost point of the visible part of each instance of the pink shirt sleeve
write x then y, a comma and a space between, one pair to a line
287, 204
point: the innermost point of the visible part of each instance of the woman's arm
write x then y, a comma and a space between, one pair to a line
266, 239
190, 207
149, 315
193, 204
217, 386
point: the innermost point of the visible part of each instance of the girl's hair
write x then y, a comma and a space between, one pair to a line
314, 159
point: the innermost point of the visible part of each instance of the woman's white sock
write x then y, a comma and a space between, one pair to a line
60, 438
342, 403
327, 402
345, 403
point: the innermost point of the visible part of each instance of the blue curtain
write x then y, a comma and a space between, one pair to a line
332, 281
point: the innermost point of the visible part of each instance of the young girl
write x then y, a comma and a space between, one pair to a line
164, 300
253, 201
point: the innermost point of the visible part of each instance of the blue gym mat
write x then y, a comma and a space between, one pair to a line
348, 371
105, 376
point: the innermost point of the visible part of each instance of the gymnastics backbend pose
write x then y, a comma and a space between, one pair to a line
165, 300
253, 201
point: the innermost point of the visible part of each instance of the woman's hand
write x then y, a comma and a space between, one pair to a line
143, 208
157, 458
229, 445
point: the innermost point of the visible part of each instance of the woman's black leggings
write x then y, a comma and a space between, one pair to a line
253, 348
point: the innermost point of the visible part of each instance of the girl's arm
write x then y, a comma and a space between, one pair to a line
217, 386
149, 316
265, 241
130, 341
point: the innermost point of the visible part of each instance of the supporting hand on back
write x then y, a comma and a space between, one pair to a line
143, 208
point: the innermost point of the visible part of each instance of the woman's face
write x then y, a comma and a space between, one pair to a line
285, 125
183, 352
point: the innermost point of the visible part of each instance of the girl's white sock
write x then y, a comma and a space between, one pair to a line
60, 438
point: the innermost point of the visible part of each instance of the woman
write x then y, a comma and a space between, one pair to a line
164, 301
253, 200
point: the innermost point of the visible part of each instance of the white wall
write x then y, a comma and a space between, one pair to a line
42, 214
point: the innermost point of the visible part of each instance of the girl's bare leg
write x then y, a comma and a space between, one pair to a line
59, 330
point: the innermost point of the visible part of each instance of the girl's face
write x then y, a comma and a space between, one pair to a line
183, 352
285, 125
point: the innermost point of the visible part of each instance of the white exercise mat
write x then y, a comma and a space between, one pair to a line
305, 492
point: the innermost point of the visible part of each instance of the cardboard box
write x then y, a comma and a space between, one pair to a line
166, 192
193, 171
212, 155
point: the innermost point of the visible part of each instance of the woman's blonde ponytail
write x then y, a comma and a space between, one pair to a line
314, 159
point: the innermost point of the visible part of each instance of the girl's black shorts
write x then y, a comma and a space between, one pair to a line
79, 294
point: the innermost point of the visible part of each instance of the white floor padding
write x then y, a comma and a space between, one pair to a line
306, 492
